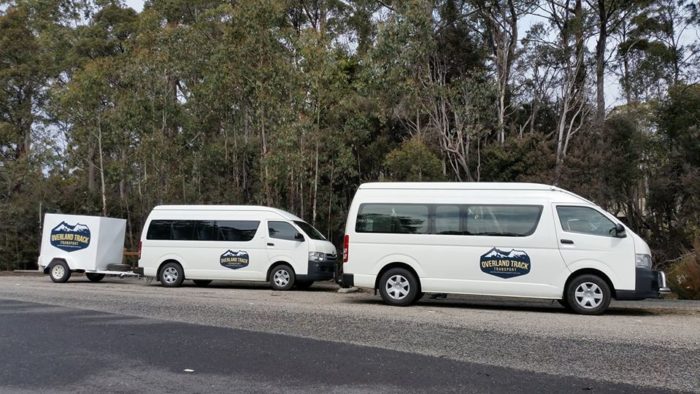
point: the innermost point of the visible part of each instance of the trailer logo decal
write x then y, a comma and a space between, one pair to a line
234, 259
70, 238
505, 264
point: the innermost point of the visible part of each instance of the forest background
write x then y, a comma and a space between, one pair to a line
293, 103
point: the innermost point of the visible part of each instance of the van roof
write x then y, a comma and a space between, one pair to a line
459, 186
248, 208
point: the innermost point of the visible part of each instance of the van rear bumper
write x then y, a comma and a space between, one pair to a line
648, 284
323, 270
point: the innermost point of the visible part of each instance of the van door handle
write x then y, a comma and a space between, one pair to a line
567, 241
270, 244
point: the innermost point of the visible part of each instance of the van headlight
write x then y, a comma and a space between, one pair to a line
643, 261
317, 256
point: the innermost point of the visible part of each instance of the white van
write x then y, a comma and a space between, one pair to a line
251, 243
496, 239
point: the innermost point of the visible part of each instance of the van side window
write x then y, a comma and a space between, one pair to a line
448, 220
282, 230
486, 220
503, 220
585, 220
203, 230
183, 230
206, 230
159, 229
237, 230
393, 218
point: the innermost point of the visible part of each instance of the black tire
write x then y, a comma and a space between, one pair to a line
588, 295
59, 272
201, 282
171, 275
398, 287
303, 284
93, 277
282, 277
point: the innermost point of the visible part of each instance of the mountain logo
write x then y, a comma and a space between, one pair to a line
70, 238
234, 259
505, 264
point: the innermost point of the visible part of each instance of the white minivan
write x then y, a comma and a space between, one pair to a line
496, 239
224, 242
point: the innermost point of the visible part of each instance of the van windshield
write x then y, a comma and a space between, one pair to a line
310, 230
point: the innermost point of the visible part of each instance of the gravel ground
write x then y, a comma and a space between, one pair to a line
653, 343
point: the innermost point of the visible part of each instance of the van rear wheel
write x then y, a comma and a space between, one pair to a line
398, 287
588, 295
171, 275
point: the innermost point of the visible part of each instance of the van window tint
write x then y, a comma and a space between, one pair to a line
503, 220
585, 220
206, 230
183, 230
488, 220
393, 218
203, 230
237, 230
159, 229
282, 230
448, 220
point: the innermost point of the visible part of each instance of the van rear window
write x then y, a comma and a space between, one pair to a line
203, 230
449, 219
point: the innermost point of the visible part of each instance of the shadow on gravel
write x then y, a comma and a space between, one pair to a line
541, 307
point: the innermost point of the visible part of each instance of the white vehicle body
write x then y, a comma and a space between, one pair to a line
84, 243
497, 239
224, 242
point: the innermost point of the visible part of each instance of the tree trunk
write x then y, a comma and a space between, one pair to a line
600, 62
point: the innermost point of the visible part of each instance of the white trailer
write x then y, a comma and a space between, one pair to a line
77, 243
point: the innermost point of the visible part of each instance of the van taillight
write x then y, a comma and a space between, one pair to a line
346, 245
139, 250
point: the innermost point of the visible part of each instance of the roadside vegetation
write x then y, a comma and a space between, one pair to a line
293, 104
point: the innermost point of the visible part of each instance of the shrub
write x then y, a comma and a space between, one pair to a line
684, 275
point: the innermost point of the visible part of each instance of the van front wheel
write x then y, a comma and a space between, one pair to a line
398, 287
588, 295
282, 278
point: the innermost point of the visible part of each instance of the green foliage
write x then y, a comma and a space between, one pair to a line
413, 162
684, 274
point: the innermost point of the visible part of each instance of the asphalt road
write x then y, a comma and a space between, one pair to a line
132, 336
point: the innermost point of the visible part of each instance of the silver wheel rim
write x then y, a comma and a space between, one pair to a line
397, 287
588, 295
58, 271
281, 278
170, 274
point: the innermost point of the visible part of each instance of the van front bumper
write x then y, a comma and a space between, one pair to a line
319, 270
648, 284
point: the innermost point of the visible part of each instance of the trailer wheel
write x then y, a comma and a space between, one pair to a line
93, 277
59, 272
171, 275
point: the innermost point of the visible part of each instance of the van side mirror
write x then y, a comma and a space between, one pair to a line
299, 237
618, 231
